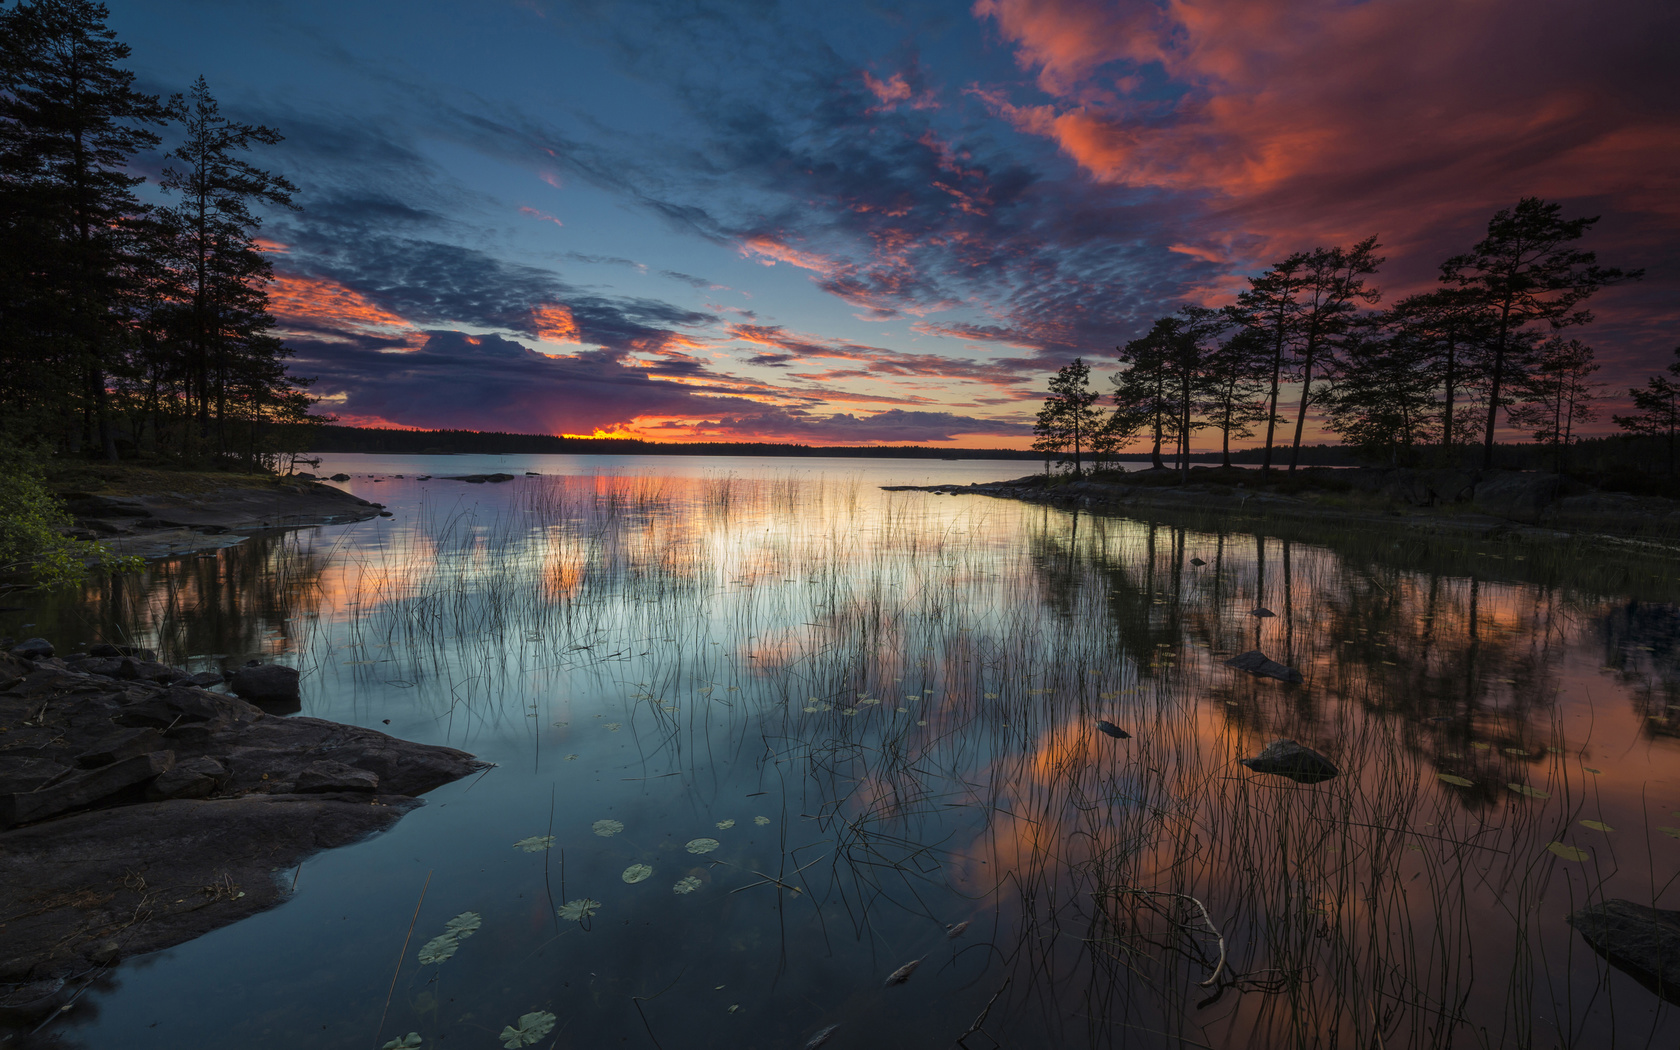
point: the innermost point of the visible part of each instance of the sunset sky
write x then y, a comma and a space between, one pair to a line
852, 223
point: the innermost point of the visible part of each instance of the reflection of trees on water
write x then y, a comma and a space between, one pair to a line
1640, 645
253, 599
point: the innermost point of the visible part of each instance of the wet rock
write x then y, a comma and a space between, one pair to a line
106, 649
1197, 562
1642, 942
204, 679
479, 479
1256, 662
1520, 495
1112, 730
1262, 611
327, 775
266, 683
33, 649
1299, 763
79, 792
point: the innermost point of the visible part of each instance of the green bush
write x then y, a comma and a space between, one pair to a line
33, 524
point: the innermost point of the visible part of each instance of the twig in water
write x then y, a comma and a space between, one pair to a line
1220, 965
402, 955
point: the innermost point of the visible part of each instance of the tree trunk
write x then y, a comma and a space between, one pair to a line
1493, 384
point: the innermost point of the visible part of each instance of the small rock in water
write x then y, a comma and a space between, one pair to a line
341, 477
1642, 942
1256, 662
33, 649
1197, 562
902, 974
957, 931
1298, 762
820, 1038
1261, 610
1112, 730
266, 683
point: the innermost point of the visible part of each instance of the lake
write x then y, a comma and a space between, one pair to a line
765, 734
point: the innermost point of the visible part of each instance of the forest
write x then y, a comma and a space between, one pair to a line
1427, 378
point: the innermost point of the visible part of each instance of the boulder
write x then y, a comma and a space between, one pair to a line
106, 649
79, 792
33, 649
341, 477
204, 679
327, 775
1642, 942
1257, 663
1298, 762
195, 778
1520, 495
266, 683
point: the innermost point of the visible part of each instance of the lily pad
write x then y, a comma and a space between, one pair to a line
464, 925
530, 1029
613, 727
606, 828
407, 1042
702, 845
1524, 789
1673, 833
578, 910
636, 873
725, 825
1567, 852
1455, 780
1596, 825
686, 884
535, 844
761, 821
439, 949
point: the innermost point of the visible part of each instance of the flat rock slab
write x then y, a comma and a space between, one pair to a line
139, 813
1257, 663
1298, 762
1642, 942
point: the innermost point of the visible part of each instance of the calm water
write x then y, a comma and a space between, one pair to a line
878, 706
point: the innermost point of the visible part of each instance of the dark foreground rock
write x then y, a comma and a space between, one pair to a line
266, 684
1642, 942
1256, 662
1298, 762
138, 811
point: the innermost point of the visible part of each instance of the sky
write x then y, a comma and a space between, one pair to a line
861, 223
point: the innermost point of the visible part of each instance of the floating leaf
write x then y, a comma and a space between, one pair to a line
613, 727
761, 821
1596, 825
535, 844
407, 1042
1524, 789
1673, 833
702, 845
606, 828
464, 925
578, 910
439, 949
1567, 852
991, 696
1455, 780
1516, 751
531, 1028
725, 825
636, 873
571, 758
686, 884
1479, 746
1594, 772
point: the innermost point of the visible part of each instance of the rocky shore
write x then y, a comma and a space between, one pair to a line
142, 806
1492, 503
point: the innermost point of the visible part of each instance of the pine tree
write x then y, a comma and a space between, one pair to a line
1658, 406
1069, 419
1332, 285
1525, 271
1383, 397
230, 356
1558, 395
1271, 307
70, 120
1143, 394
1235, 378
1449, 330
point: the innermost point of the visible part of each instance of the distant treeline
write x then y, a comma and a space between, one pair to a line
497, 443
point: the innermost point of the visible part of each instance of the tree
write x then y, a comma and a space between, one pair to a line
1270, 307
1447, 330
1558, 395
1332, 284
225, 276
1383, 398
1234, 381
1525, 271
1190, 349
70, 120
1658, 408
1143, 393
1069, 419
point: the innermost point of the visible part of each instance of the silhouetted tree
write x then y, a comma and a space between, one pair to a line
1558, 395
1448, 331
1332, 284
1069, 419
1383, 397
1234, 374
1658, 408
1143, 391
1526, 271
1271, 307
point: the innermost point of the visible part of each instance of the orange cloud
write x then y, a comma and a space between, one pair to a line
553, 323
324, 307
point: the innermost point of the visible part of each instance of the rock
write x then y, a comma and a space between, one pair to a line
327, 775
1520, 495
341, 477
205, 679
266, 683
105, 649
1642, 942
25, 769
123, 744
1112, 730
1298, 762
1197, 562
146, 670
1262, 611
79, 792
195, 778
479, 479
33, 649
1256, 662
